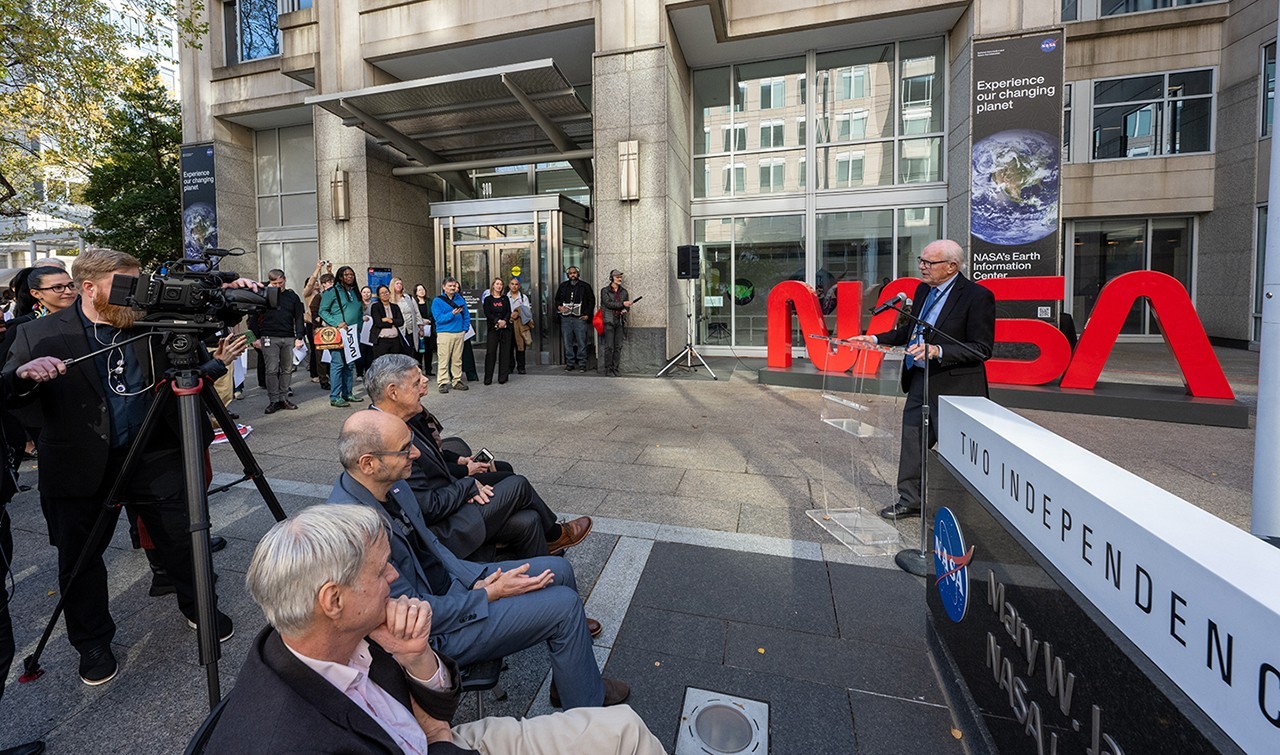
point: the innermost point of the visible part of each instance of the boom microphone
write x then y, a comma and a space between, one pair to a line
899, 300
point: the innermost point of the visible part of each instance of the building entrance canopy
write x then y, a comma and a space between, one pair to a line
508, 115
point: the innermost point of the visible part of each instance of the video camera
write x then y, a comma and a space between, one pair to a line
178, 297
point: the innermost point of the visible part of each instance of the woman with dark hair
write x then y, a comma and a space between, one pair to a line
50, 290
387, 321
426, 328
497, 312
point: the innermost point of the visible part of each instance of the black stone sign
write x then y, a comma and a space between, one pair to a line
1034, 667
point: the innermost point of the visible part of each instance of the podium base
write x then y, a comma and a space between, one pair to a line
859, 530
914, 562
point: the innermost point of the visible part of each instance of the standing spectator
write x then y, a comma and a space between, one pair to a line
497, 312
449, 311
51, 290
387, 320
522, 320
426, 328
366, 331
409, 311
279, 332
340, 307
576, 304
312, 294
616, 302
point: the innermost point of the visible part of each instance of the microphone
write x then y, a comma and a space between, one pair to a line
900, 299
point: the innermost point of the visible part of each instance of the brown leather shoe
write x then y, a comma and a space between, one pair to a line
616, 692
571, 533
593, 626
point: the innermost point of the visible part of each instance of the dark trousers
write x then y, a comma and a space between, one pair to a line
611, 347
498, 350
469, 361
389, 345
159, 478
426, 351
6, 624
574, 331
909, 451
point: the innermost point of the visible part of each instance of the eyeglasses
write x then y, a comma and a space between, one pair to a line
931, 263
405, 453
58, 288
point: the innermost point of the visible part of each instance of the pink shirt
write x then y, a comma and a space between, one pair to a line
352, 679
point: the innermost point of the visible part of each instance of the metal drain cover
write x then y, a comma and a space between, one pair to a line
714, 723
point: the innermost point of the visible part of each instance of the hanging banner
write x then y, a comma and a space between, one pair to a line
1015, 185
199, 201
379, 276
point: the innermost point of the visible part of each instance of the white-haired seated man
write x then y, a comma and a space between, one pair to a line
343, 667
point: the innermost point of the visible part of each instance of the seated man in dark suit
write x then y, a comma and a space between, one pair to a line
469, 516
482, 611
345, 668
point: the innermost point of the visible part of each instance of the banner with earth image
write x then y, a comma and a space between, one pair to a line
199, 201
1015, 184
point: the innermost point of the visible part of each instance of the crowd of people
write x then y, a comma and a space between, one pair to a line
425, 560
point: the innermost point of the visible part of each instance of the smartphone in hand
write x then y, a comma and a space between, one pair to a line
483, 456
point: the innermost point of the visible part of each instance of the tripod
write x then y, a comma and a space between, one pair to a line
191, 386
689, 353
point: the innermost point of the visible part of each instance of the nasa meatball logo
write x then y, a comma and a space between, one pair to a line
951, 564
1049, 44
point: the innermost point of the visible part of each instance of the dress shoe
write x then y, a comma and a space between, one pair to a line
351, 399
571, 533
98, 665
444, 388
273, 407
339, 403
226, 630
615, 692
460, 386
899, 510
594, 627
488, 382
568, 368
520, 371
217, 543
30, 748
288, 404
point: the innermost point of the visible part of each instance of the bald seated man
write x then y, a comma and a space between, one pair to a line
482, 611
344, 667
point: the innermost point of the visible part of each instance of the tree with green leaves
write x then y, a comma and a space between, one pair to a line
61, 64
134, 186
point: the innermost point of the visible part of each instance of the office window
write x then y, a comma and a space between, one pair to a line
849, 167
250, 29
1158, 114
773, 174
773, 93
735, 178
735, 137
1119, 7
1268, 86
1066, 123
771, 134
800, 132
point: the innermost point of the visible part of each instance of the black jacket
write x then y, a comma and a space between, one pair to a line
611, 303
75, 441
378, 310
969, 316
497, 308
285, 321
442, 498
576, 292
279, 705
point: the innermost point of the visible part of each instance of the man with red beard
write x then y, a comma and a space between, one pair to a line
91, 414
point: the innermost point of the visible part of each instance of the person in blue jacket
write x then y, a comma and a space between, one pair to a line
449, 310
340, 306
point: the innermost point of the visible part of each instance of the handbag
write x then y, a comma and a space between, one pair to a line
598, 321
327, 338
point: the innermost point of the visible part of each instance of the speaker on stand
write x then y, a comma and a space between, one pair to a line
688, 268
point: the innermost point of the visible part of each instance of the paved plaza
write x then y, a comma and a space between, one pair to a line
703, 565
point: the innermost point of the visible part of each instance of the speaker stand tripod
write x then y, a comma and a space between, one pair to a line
689, 353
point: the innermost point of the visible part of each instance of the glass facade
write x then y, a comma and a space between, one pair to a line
874, 115
285, 176
788, 156
1157, 114
1105, 249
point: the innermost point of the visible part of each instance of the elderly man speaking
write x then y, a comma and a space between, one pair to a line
346, 668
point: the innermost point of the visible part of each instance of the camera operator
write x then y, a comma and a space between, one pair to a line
91, 415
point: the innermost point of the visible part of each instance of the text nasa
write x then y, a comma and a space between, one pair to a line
1212, 642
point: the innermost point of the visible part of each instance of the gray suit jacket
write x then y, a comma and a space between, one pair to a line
460, 605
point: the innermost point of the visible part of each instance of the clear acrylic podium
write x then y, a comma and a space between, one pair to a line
860, 431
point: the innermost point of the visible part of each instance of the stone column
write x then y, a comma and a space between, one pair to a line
641, 92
